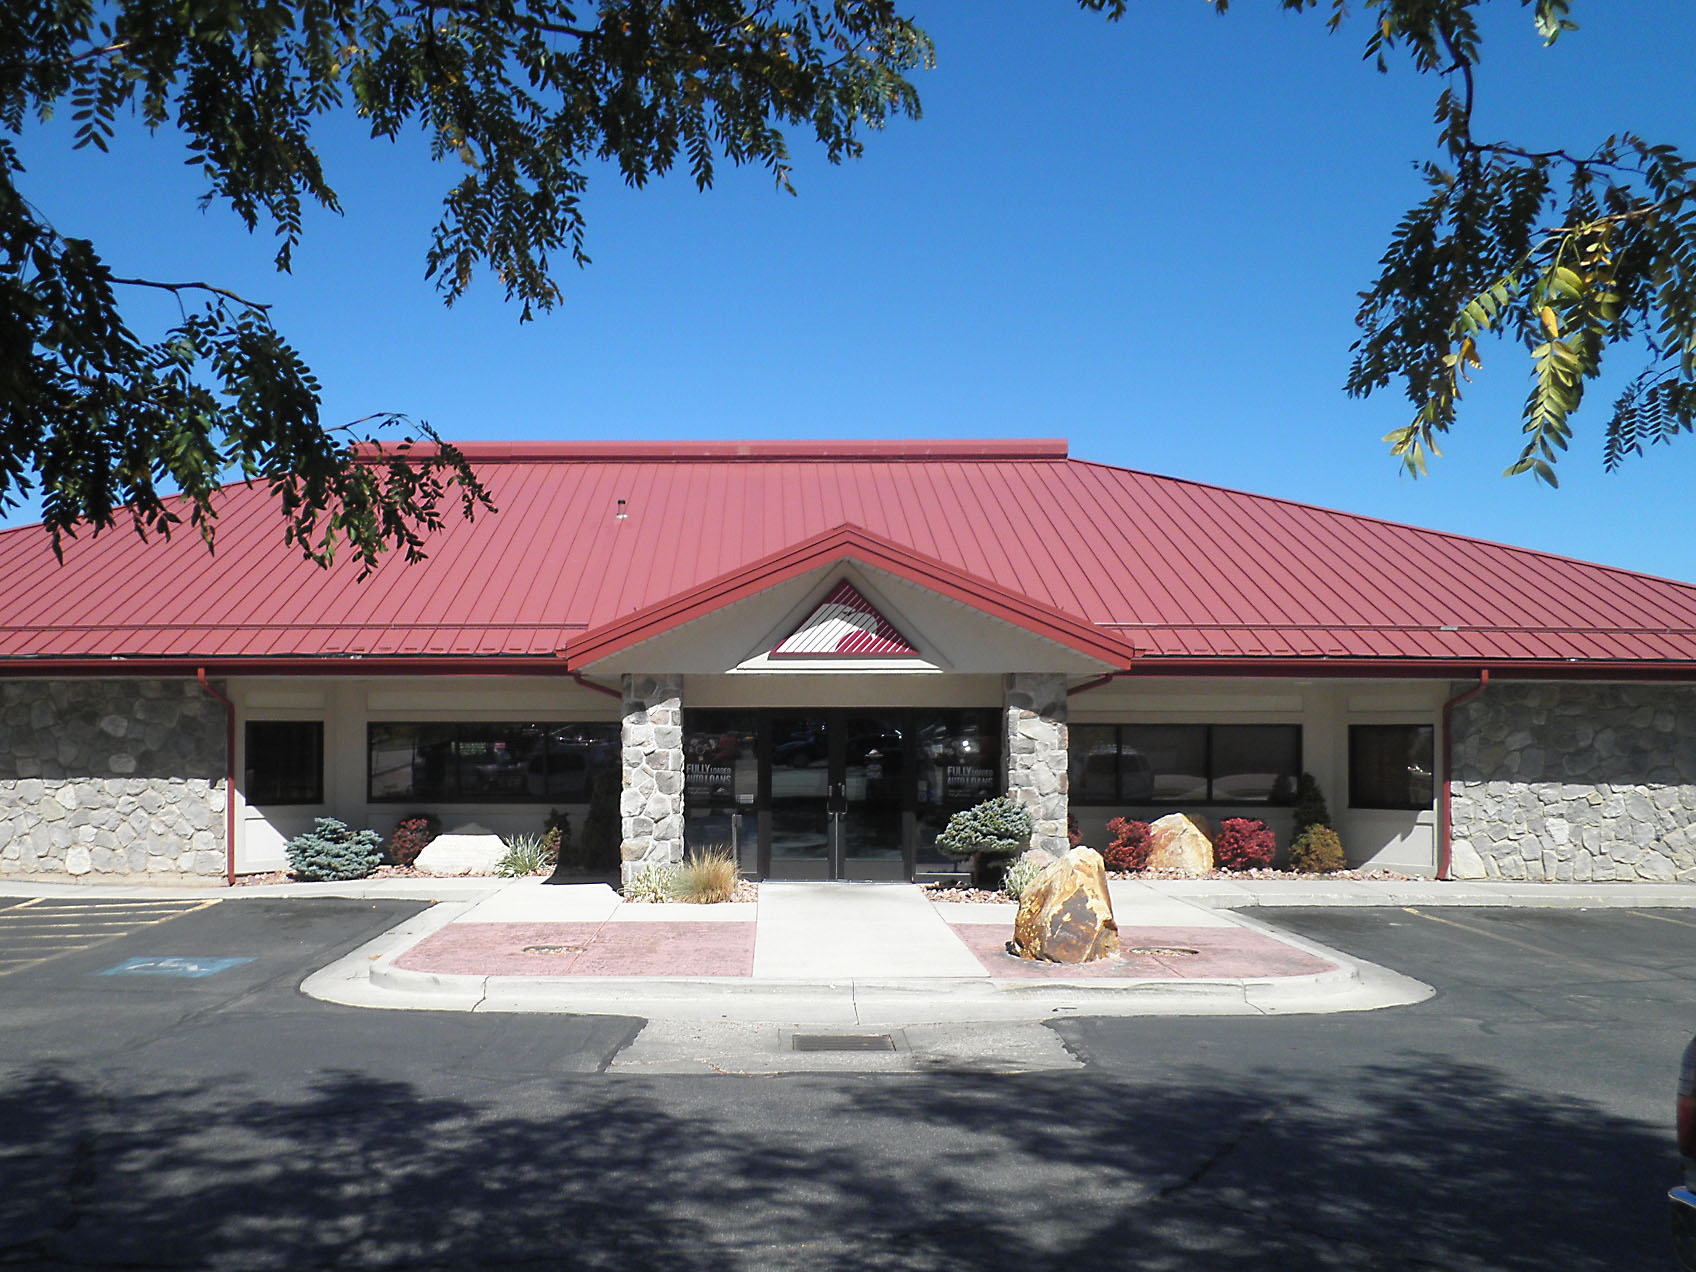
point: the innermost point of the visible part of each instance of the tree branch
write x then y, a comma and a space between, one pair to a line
176, 289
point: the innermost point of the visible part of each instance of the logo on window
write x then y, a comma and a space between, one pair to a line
845, 625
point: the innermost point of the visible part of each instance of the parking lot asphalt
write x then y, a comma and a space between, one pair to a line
38, 929
1518, 1119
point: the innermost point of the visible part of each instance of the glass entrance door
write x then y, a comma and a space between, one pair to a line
871, 807
799, 821
839, 795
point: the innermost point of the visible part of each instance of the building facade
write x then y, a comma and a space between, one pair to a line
812, 654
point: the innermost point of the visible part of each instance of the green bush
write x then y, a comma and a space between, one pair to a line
992, 831
1310, 807
1020, 875
1317, 850
333, 850
525, 855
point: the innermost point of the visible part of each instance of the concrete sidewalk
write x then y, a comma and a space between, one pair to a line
834, 955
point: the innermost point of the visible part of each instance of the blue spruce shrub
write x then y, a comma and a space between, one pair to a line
995, 830
333, 850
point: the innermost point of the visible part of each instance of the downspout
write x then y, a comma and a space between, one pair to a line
611, 693
229, 776
1097, 682
1445, 816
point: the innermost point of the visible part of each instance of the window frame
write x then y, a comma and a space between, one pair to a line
1120, 800
248, 752
1431, 736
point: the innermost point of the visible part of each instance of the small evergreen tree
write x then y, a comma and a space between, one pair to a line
996, 829
333, 850
1310, 806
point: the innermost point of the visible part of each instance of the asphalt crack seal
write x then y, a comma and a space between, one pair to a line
1222, 1152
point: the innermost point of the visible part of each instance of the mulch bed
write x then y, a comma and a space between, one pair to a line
381, 872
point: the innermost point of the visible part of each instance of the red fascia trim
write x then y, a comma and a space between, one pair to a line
1414, 668
229, 777
847, 541
344, 665
1445, 813
757, 451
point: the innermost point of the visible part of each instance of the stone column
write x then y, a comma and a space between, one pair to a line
651, 803
1034, 744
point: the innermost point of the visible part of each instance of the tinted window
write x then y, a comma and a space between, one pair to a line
285, 762
488, 763
1164, 763
1131, 764
1256, 763
1390, 766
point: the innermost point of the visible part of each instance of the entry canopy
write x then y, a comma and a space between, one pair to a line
845, 625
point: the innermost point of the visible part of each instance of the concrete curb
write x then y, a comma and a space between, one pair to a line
1232, 894
1213, 894
368, 978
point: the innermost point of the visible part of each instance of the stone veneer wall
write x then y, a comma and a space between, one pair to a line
651, 803
111, 778
1575, 781
1034, 743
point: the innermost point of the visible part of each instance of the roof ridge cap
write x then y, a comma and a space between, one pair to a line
838, 450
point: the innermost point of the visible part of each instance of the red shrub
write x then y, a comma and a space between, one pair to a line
1243, 844
410, 837
1074, 836
1130, 845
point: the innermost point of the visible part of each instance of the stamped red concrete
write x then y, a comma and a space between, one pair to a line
1175, 954
585, 949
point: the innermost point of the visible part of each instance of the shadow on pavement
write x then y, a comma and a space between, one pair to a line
1409, 1166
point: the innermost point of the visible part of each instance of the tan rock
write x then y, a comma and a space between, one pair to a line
1066, 916
1181, 841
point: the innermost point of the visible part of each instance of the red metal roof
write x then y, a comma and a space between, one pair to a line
1186, 575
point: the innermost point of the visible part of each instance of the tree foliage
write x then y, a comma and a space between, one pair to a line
1568, 252
520, 97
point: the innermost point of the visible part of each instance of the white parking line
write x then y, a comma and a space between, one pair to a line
66, 927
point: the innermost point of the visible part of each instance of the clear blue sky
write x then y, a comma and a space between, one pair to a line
1146, 237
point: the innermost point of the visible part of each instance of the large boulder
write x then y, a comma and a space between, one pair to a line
466, 850
1066, 916
1180, 841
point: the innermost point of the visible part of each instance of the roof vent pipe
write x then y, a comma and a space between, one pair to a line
622, 514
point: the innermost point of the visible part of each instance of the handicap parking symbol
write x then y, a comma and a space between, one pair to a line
174, 965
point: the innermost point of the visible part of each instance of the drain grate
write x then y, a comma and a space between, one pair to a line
1164, 951
842, 1042
553, 949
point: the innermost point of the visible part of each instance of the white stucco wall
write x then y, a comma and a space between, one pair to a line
347, 704
1372, 838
